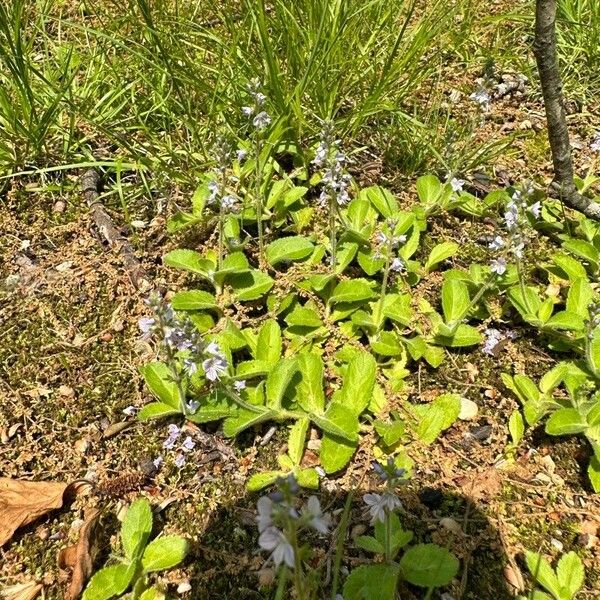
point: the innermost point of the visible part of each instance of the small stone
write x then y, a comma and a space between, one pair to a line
526, 124
589, 527
76, 524
82, 445
358, 530
12, 430
266, 577
43, 533
451, 525
468, 409
184, 587
481, 433
587, 541
64, 266
118, 326
313, 444
59, 207
557, 544
66, 391
548, 463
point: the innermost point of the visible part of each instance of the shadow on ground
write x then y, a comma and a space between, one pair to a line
226, 564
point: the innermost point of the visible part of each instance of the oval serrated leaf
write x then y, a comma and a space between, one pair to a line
164, 553
288, 249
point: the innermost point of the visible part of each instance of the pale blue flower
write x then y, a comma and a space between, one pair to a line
481, 97
261, 120
214, 367
496, 243
398, 265
317, 519
457, 184
188, 444
498, 266
179, 461
273, 540
380, 505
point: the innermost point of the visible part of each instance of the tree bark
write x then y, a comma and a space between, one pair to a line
547, 62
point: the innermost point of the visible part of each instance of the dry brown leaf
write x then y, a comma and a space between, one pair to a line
80, 557
22, 591
22, 502
514, 578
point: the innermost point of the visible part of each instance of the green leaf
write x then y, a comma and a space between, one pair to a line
397, 308
159, 379
428, 565
250, 285
565, 421
565, 320
372, 582
543, 573
545, 310
353, 290
310, 388
308, 478
156, 410
386, 343
594, 353
189, 260
338, 421
570, 573
369, 262
152, 594
527, 305
252, 368
244, 419
464, 335
437, 416
359, 380
336, 452
370, 544
108, 582
278, 379
259, 481
455, 300
164, 553
136, 527
234, 263
579, 297
345, 255
297, 439
390, 433
573, 268
516, 427
382, 200
593, 472
288, 249
268, 344
584, 250
303, 316
440, 253
194, 300
213, 407
429, 189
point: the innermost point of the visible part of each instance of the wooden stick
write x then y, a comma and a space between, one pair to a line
90, 182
